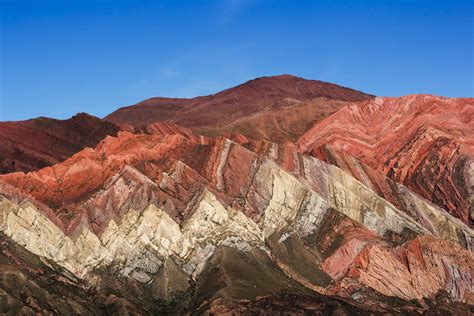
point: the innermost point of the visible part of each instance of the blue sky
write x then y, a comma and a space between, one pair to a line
63, 57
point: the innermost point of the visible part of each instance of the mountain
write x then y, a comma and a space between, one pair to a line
37, 143
280, 196
171, 222
423, 142
275, 108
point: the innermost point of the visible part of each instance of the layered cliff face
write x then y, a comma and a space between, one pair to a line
168, 221
37, 143
276, 108
423, 142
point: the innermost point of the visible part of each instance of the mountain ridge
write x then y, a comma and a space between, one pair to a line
212, 114
261, 206
286, 202
22, 142
36, 143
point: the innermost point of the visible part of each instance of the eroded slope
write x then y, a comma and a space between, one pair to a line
423, 142
230, 224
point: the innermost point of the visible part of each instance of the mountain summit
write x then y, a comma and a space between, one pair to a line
275, 108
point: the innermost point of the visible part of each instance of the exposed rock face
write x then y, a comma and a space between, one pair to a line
430, 216
275, 108
423, 142
37, 143
172, 222
368, 213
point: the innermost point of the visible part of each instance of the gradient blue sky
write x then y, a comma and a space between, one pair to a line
63, 57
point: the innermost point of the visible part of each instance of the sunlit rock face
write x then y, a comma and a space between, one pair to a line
278, 196
424, 142
167, 221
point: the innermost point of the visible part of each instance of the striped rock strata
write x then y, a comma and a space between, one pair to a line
421, 141
173, 222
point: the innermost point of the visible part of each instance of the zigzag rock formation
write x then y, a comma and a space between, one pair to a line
172, 222
423, 142
304, 198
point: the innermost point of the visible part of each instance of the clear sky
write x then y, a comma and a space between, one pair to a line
63, 57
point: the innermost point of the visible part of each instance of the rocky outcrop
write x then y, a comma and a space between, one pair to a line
170, 221
423, 142
429, 215
276, 108
37, 143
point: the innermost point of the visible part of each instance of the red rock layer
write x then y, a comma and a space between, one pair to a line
37, 143
423, 142
275, 108
66, 183
421, 267
172, 167
169, 166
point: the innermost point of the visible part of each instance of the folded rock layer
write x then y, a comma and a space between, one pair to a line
171, 222
424, 142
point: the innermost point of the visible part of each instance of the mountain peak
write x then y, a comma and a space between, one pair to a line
278, 77
221, 111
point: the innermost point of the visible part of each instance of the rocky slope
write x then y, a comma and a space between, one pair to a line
276, 108
369, 212
423, 142
171, 222
37, 143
